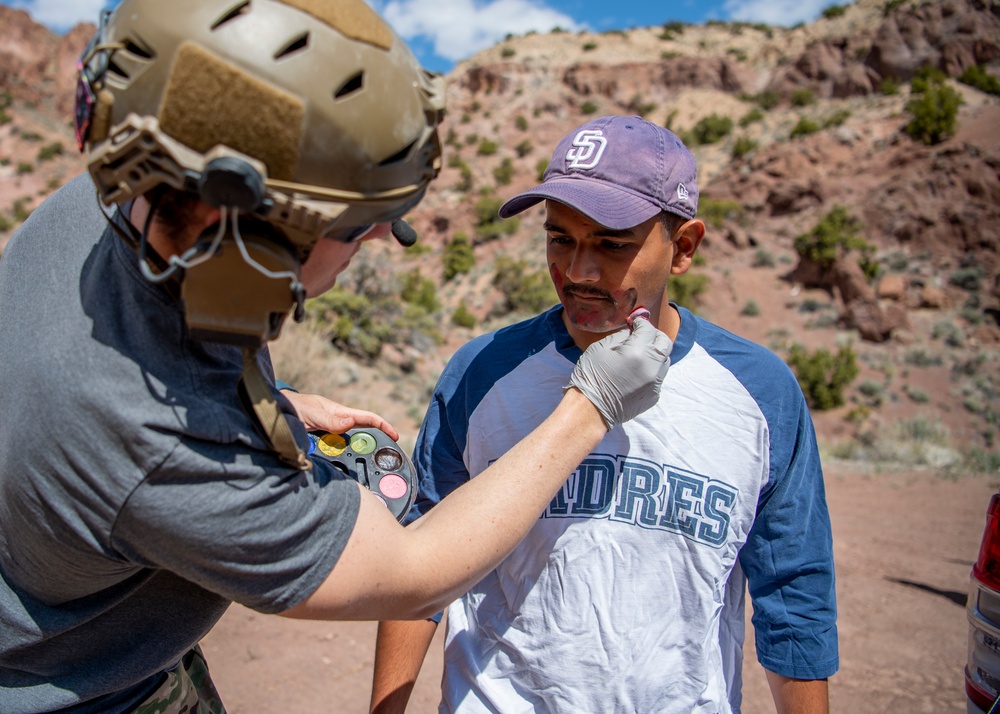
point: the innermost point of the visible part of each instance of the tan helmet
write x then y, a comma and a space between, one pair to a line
320, 97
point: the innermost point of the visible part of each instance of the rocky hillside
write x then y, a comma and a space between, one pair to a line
797, 132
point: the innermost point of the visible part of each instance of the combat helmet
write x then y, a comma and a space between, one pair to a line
309, 116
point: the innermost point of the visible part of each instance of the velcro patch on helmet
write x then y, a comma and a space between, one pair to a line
352, 18
208, 101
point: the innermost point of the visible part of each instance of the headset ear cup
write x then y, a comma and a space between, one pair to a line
226, 299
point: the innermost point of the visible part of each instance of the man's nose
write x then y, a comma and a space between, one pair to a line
583, 266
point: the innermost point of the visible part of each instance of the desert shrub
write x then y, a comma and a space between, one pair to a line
23, 167
637, 106
933, 113
802, 97
968, 277
835, 233
523, 149
589, 46
804, 127
949, 333
465, 171
891, 5
873, 391
669, 121
31, 136
486, 208
524, 290
737, 54
462, 317
487, 147
685, 289
925, 76
508, 52
763, 258
504, 173
489, 225
6, 99
715, 211
834, 11
458, 256
837, 118
521, 123
50, 151
916, 395
20, 211
588, 107
711, 129
674, 27
768, 99
889, 86
364, 311
751, 116
743, 146
5, 118
540, 167
751, 308
419, 291
823, 376
919, 357
976, 76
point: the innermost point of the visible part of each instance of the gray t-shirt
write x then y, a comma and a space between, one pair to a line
137, 499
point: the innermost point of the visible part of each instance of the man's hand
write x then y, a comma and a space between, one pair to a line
621, 375
321, 414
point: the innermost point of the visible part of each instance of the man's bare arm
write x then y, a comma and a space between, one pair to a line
400, 649
799, 696
387, 572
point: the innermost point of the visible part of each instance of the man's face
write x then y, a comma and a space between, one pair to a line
601, 274
329, 258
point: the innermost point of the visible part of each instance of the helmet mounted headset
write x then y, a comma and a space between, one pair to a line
300, 120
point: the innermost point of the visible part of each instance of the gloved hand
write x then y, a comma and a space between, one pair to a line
622, 373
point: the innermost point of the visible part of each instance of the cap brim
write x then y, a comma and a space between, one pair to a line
603, 203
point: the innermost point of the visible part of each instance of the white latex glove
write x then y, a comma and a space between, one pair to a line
622, 373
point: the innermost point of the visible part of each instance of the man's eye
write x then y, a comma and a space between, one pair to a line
610, 245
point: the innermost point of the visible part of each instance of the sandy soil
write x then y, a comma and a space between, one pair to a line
904, 543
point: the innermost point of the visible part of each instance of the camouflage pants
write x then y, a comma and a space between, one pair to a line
188, 689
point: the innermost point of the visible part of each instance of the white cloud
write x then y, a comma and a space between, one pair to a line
776, 12
457, 29
61, 15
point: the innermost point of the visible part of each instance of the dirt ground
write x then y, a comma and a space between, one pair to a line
904, 545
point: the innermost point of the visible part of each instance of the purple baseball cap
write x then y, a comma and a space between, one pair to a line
618, 171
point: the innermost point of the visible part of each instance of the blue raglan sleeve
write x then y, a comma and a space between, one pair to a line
788, 556
438, 454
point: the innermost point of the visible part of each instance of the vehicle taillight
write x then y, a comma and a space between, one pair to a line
979, 696
987, 567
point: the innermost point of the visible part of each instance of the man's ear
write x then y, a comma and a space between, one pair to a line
687, 238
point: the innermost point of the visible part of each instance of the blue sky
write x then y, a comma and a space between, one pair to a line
442, 32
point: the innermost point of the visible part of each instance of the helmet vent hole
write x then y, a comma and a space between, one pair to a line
297, 45
351, 86
398, 156
115, 69
137, 50
235, 12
